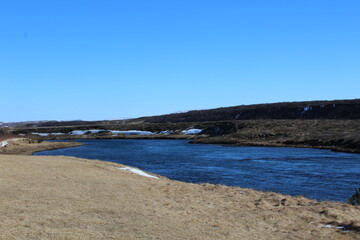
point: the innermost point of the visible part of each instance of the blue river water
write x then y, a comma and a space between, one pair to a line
315, 174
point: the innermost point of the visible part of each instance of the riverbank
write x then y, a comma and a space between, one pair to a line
228, 141
261, 168
26, 146
44, 197
291, 144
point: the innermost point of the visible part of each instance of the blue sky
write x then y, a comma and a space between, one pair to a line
113, 59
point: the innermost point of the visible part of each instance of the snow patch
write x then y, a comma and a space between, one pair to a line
44, 134
327, 226
331, 226
306, 109
40, 134
191, 131
82, 132
77, 132
166, 132
4, 143
132, 132
137, 171
57, 134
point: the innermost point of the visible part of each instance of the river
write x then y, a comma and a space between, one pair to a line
315, 174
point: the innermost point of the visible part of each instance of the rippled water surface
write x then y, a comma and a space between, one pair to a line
316, 174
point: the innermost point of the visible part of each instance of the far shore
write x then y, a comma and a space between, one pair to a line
334, 134
206, 140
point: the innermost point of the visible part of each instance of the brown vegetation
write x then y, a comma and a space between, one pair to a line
5, 134
338, 109
337, 135
27, 146
334, 134
69, 198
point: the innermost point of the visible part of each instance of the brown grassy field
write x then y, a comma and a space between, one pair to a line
47, 197
337, 135
27, 146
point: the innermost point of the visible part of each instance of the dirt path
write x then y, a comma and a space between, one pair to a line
43, 197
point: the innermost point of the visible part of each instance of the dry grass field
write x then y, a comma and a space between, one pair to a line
47, 197
26, 146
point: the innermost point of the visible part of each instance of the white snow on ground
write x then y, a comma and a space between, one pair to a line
137, 171
339, 227
306, 109
132, 132
82, 132
191, 131
4, 143
46, 134
166, 132
78, 132
327, 226
40, 134
117, 132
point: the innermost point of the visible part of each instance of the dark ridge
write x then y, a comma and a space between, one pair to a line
337, 109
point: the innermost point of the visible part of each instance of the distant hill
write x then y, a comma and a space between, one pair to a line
337, 109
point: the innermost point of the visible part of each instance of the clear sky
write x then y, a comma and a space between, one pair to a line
113, 59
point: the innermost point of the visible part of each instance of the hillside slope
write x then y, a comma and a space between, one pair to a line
338, 109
